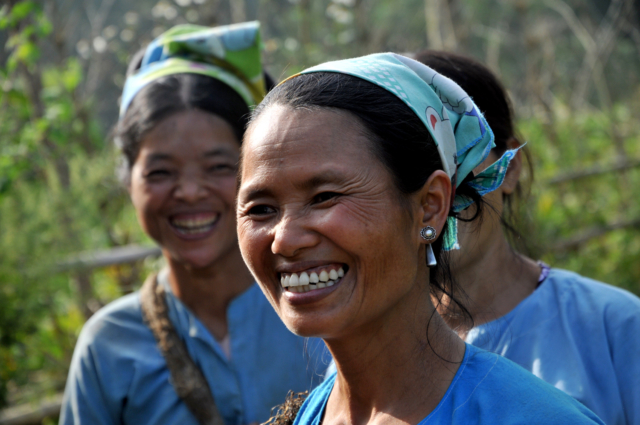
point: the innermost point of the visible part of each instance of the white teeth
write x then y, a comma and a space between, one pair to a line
192, 225
308, 282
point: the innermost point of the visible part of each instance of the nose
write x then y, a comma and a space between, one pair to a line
190, 189
292, 236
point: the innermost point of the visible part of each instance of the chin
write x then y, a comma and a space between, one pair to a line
310, 327
195, 260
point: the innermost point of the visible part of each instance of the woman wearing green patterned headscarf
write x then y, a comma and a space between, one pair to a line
352, 175
199, 343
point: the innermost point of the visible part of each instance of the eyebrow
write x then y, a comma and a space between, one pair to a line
313, 182
155, 157
326, 177
218, 152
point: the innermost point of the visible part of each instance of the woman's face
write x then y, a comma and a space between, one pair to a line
321, 225
183, 187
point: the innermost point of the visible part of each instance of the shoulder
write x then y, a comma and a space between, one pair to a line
114, 333
312, 409
111, 348
120, 316
489, 384
575, 284
587, 296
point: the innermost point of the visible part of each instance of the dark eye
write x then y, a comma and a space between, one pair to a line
157, 173
222, 168
261, 211
324, 196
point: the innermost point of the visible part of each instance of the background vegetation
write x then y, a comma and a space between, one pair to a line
572, 68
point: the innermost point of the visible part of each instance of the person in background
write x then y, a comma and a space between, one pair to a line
579, 335
345, 211
199, 343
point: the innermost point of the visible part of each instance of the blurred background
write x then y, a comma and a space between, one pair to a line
69, 239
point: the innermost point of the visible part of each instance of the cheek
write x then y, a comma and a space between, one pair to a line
142, 199
226, 191
374, 234
146, 198
148, 201
254, 245
366, 222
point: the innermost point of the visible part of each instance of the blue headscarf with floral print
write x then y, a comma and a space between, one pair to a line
460, 131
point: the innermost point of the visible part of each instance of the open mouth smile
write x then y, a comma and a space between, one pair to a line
194, 224
312, 279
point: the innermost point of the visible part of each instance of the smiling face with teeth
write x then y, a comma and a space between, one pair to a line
321, 224
183, 187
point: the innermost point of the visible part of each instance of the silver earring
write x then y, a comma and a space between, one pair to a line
431, 259
428, 233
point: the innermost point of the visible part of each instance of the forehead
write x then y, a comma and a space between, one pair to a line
283, 137
190, 132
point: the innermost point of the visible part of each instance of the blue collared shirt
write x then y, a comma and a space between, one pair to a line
118, 376
579, 335
486, 390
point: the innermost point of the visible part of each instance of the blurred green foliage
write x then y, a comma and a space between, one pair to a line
63, 68
587, 223
58, 196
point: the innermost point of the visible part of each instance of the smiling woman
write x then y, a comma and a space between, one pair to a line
182, 185
199, 343
351, 174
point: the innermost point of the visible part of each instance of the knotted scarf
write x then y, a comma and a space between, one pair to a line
228, 53
460, 131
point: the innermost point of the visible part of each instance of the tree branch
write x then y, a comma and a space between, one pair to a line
576, 241
594, 171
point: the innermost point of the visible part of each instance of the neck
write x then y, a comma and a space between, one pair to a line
208, 291
388, 370
494, 282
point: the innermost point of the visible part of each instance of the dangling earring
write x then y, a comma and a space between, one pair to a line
428, 234
431, 259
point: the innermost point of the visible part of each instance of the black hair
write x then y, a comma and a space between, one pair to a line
399, 139
492, 99
173, 94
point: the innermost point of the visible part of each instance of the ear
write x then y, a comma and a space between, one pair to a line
515, 168
435, 201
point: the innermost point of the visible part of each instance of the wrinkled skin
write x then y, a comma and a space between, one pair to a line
313, 195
